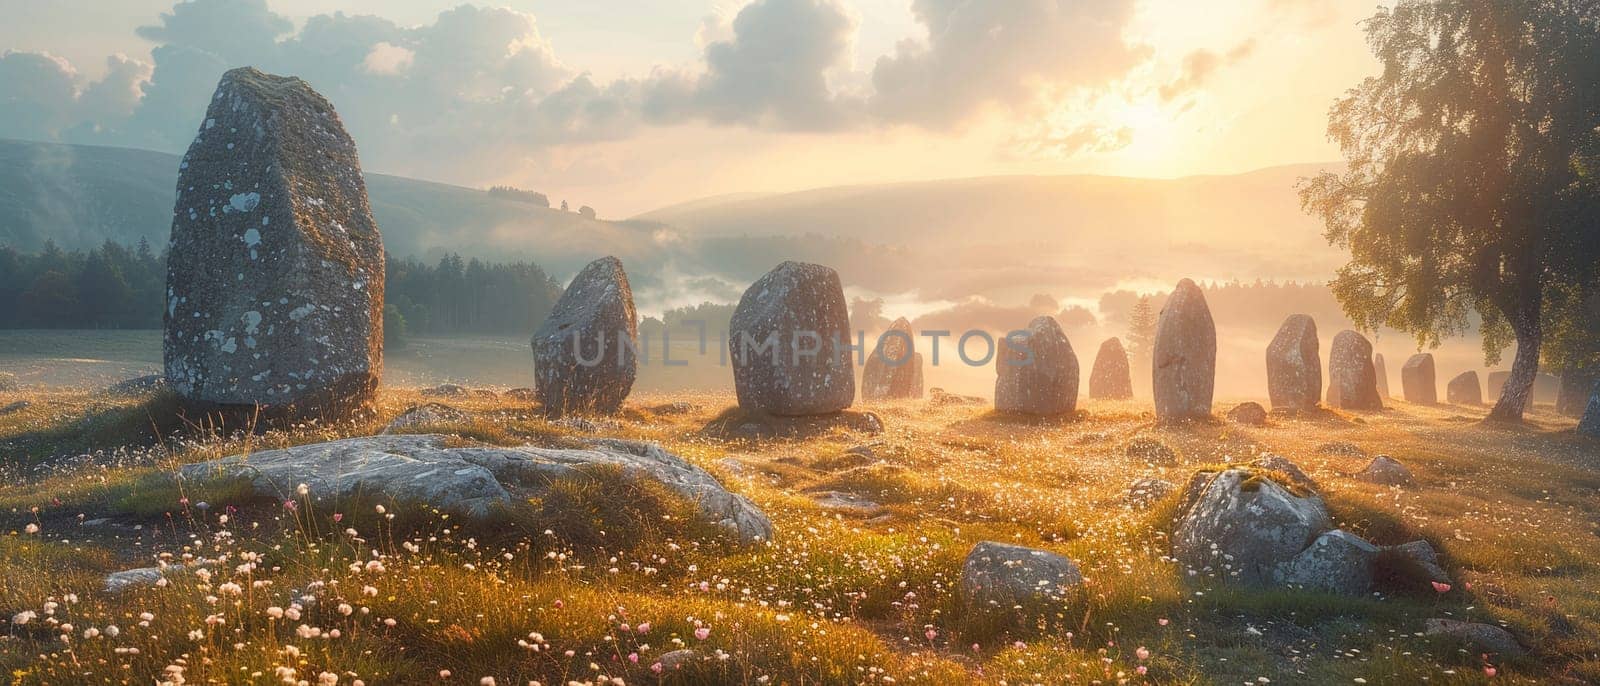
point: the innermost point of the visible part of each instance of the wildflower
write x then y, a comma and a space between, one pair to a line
23, 617
704, 632
338, 517
290, 505
643, 628
444, 674
1143, 653
302, 489
1490, 671
31, 528
275, 612
1441, 587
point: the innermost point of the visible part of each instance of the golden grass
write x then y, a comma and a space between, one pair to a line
557, 590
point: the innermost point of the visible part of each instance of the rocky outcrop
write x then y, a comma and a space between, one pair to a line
1249, 413
998, 579
472, 480
1418, 381
1464, 389
1037, 373
894, 371
276, 269
1386, 471
1352, 379
1111, 378
787, 343
1294, 365
584, 357
1185, 356
1242, 524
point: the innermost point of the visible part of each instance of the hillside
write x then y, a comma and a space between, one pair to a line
80, 196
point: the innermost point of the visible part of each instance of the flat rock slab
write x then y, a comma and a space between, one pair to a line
848, 503
128, 579
1485, 637
426, 414
472, 480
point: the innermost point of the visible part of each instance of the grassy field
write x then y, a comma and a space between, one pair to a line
611, 577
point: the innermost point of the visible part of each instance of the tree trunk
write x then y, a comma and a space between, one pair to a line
1516, 394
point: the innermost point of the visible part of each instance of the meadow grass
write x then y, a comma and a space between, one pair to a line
603, 578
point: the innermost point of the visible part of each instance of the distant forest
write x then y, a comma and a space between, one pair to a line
121, 287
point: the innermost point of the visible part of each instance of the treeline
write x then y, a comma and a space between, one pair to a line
120, 287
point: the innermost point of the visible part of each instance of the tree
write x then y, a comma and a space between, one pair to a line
1470, 185
1141, 329
394, 328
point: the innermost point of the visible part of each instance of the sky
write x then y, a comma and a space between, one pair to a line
630, 105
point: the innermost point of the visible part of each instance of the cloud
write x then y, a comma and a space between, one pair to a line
1199, 66
479, 89
983, 53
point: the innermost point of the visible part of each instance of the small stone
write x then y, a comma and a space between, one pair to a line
848, 503
1282, 465
1150, 450
445, 390
1012, 581
1147, 491
427, 414
1481, 637
1248, 413
526, 395
137, 386
1344, 448
674, 660
15, 406
1425, 557
1386, 471
118, 582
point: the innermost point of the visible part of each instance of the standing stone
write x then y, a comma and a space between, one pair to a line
1496, 383
1352, 378
1294, 365
1573, 396
1382, 371
583, 353
787, 343
1464, 389
1185, 355
275, 275
1590, 424
1418, 380
1111, 379
894, 371
1037, 374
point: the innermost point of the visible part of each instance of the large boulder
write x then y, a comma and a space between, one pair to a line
1418, 381
275, 270
1352, 379
1381, 370
1240, 525
1337, 562
1111, 378
1010, 580
1573, 395
1294, 365
583, 354
788, 343
1464, 389
1590, 424
472, 480
1185, 356
894, 371
1037, 373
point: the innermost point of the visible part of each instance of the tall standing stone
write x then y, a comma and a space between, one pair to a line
275, 272
1111, 378
1382, 372
1184, 362
787, 343
1352, 378
1037, 374
1464, 389
1294, 365
1590, 424
1573, 396
1418, 381
894, 371
583, 353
